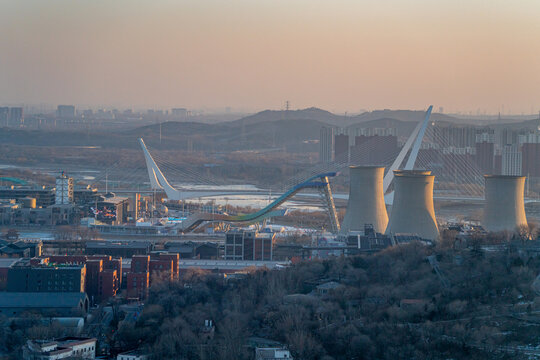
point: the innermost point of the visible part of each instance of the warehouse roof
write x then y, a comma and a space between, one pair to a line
41, 300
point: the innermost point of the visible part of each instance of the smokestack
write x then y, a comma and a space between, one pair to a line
366, 200
504, 206
412, 211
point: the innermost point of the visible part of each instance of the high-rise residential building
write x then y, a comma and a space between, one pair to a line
454, 160
508, 137
373, 149
4, 116
530, 152
455, 136
65, 111
179, 112
326, 144
64, 190
511, 160
485, 156
341, 147
15, 116
375, 131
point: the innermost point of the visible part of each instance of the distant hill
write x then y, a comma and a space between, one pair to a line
279, 115
295, 131
527, 124
403, 115
329, 118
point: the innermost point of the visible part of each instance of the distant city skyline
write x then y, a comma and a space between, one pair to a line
469, 57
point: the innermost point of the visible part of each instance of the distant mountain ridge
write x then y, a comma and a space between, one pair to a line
332, 119
278, 115
293, 130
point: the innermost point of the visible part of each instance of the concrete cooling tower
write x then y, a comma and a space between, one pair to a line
412, 211
366, 200
504, 207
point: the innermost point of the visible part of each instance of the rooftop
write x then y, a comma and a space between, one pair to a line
118, 245
41, 299
7, 262
114, 200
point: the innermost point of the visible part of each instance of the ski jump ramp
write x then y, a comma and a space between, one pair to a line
320, 182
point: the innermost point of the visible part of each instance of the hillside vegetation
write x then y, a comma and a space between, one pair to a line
391, 305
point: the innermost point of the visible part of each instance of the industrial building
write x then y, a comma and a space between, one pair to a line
119, 249
44, 196
112, 209
366, 200
14, 304
194, 250
64, 190
413, 211
368, 240
505, 206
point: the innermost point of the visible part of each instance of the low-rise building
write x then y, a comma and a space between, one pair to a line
13, 304
112, 209
272, 354
63, 348
20, 249
133, 355
327, 287
103, 274
118, 249
5, 265
44, 195
191, 250
24, 276
249, 245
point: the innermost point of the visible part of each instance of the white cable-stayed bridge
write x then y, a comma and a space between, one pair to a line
458, 177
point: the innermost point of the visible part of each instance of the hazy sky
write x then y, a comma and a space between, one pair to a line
339, 55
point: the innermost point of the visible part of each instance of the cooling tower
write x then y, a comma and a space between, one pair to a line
366, 200
412, 211
504, 207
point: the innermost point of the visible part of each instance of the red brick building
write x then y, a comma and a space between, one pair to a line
175, 258
137, 284
162, 268
138, 279
103, 274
